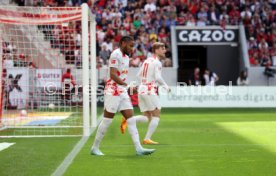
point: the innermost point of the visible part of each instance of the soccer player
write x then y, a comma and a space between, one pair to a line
150, 77
116, 97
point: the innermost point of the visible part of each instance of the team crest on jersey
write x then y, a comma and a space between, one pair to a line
113, 61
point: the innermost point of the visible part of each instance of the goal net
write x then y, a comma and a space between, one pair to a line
48, 67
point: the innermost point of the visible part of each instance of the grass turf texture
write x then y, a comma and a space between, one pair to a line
34, 156
37, 156
194, 142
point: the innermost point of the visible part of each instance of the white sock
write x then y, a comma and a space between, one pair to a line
141, 118
132, 129
101, 131
152, 127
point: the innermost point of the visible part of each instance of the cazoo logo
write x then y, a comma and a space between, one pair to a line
207, 35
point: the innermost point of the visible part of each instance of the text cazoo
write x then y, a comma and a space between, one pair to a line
206, 35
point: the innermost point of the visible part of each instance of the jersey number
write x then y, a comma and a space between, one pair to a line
145, 70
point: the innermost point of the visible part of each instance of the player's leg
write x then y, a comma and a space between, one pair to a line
139, 118
143, 118
111, 105
142, 99
105, 123
153, 103
132, 129
152, 127
123, 125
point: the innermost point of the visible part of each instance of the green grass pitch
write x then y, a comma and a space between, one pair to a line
193, 142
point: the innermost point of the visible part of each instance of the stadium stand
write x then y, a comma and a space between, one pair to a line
150, 20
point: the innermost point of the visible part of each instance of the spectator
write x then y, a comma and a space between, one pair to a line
104, 54
201, 22
107, 15
100, 62
68, 84
77, 56
138, 56
213, 16
246, 13
137, 22
209, 78
108, 44
77, 38
191, 21
167, 62
116, 22
261, 35
224, 16
263, 44
12, 47
252, 43
193, 7
110, 33
100, 35
195, 78
265, 60
181, 19
243, 79
149, 54
150, 6
67, 78
273, 55
162, 36
171, 21
122, 2
253, 59
202, 14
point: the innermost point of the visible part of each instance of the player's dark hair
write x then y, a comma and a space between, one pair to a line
68, 70
126, 39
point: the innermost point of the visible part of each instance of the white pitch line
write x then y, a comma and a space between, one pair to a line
70, 157
192, 145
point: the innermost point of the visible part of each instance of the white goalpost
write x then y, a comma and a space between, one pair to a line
47, 71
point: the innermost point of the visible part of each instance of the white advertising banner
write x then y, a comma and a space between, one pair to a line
17, 85
49, 77
219, 96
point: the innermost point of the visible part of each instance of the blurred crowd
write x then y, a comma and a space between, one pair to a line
259, 20
13, 58
150, 20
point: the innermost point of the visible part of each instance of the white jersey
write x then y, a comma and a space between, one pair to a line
119, 61
210, 80
150, 77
